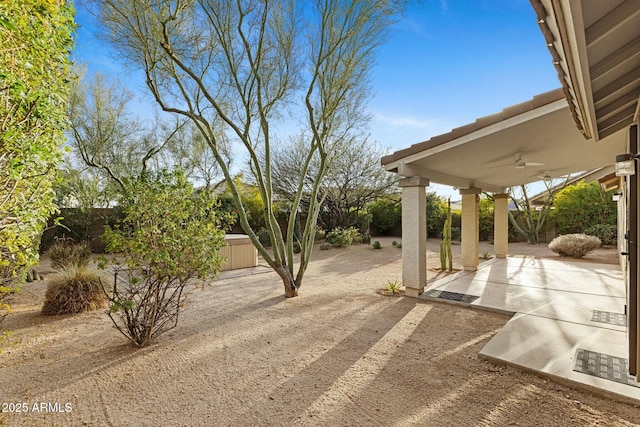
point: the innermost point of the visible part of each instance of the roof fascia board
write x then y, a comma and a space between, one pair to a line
570, 23
486, 131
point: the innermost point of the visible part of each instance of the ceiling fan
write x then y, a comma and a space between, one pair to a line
546, 176
520, 163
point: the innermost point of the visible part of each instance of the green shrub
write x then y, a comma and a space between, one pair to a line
377, 245
581, 206
366, 238
386, 213
485, 223
297, 248
64, 253
74, 289
325, 247
436, 214
341, 237
169, 237
607, 233
574, 245
263, 237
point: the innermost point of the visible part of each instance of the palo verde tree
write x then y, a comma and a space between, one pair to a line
109, 138
530, 220
37, 36
245, 63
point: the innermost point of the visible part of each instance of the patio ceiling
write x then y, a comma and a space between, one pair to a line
513, 147
595, 45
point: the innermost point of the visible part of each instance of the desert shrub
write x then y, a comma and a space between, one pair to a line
74, 289
325, 247
386, 213
366, 238
341, 237
574, 245
607, 233
297, 248
581, 206
263, 237
376, 245
169, 236
64, 253
486, 213
436, 214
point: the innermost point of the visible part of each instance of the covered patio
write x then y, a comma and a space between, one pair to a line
524, 143
568, 318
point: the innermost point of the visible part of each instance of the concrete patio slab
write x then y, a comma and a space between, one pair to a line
562, 310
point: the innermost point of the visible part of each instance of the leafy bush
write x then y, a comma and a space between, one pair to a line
35, 67
366, 238
581, 206
263, 237
376, 245
436, 214
65, 253
341, 237
486, 213
74, 289
386, 213
574, 245
170, 236
607, 233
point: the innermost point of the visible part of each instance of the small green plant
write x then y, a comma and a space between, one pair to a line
74, 289
394, 243
486, 255
574, 245
376, 245
341, 237
325, 247
393, 287
399, 245
297, 248
366, 238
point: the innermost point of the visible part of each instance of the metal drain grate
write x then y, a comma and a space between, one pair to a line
608, 317
604, 366
452, 296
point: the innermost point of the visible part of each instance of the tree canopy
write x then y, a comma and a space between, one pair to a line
240, 68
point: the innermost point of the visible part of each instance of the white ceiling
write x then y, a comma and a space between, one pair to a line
485, 158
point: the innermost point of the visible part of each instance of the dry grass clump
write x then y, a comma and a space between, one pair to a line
74, 289
64, 253
574, 245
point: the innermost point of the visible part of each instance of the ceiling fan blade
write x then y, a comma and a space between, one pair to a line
528, 164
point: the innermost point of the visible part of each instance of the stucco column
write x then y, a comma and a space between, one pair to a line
414, 235
470, 228
501, 225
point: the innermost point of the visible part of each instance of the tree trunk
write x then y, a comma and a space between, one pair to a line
290, 285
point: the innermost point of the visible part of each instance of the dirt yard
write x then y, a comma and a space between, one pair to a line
340, 354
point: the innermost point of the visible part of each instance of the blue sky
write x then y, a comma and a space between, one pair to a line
447, 63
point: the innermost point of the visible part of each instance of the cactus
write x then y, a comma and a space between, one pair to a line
445, 246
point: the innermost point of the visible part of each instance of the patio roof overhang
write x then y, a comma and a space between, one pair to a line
491, 153
595, 46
